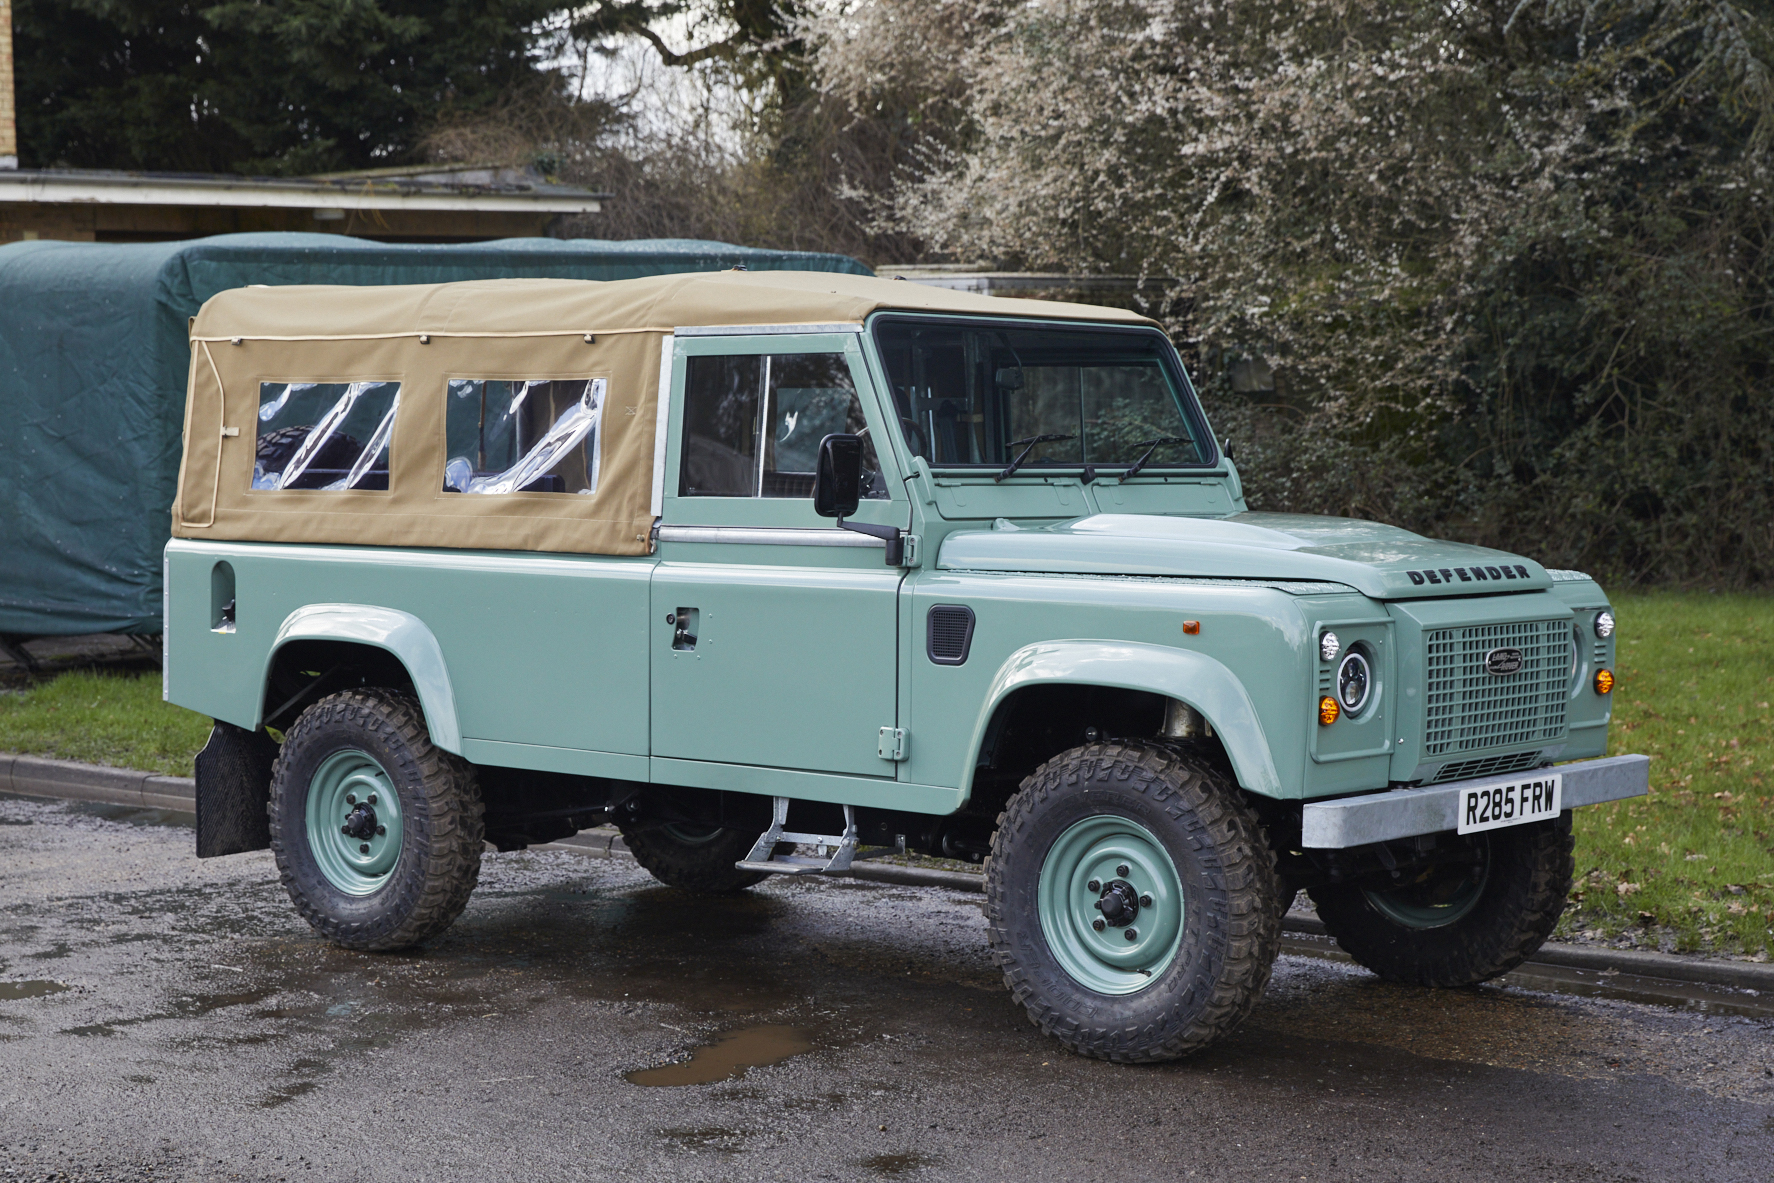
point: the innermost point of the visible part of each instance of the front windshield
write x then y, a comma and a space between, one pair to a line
979, 394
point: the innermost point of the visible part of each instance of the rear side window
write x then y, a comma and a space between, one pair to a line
324, 435
523, 436
753, 423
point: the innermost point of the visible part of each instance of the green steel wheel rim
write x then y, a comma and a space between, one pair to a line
350, 789
1106, 961
1447, 896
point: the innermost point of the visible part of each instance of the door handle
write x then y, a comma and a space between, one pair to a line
684, 619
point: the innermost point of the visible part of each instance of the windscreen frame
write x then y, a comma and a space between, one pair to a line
1195, 417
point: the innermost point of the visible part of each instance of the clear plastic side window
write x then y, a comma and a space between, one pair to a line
324, 435
753, 423
522, 436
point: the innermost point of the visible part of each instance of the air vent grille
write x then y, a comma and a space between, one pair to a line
1489, 766
949, 633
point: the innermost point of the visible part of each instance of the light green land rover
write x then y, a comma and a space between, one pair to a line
778, 571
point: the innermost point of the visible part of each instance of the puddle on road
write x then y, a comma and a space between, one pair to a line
12, 990
893, 1165
287, 1093
728, 1057
721, 1141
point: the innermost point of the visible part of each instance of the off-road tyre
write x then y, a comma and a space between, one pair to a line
441, 822
703, 867
1232, 896
1524, 893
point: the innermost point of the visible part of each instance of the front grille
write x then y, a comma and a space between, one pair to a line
1485, 766
1471, 709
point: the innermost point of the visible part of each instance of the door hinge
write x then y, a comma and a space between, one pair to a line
893, 743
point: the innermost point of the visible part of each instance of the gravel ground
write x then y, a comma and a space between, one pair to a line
165, 1018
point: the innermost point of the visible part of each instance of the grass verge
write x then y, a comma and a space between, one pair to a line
1691, 865
102, 718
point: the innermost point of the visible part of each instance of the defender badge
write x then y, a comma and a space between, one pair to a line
1502, 661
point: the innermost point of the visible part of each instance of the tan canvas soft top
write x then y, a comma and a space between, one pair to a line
422, 336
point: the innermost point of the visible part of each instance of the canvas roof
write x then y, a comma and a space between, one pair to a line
423, 336
654, 304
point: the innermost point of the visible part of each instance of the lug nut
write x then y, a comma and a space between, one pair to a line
384, 830
1094, 885
1122, 870
372, 798
1132, 934
351, 798
1098, 905
364, 848
1098, 924
344, 829
1145, 901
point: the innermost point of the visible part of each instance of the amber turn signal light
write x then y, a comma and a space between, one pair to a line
1328, 710
1604, 681
1191, 627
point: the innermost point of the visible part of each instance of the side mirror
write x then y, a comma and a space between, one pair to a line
837, 478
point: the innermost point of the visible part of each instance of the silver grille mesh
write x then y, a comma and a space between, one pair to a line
1470, 709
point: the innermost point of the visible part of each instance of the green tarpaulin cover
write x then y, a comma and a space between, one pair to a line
93, 361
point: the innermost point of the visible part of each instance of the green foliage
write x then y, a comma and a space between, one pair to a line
1507, 260
282, 87
1695, 859
115, 719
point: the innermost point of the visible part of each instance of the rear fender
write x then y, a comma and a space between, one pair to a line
399, 633
1192, 678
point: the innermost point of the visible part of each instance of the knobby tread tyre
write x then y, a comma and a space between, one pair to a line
1524, 895
442, 835
704, 868
1233, 900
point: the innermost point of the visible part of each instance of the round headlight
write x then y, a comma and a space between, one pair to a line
1329, 646
1354, 683
1604, 625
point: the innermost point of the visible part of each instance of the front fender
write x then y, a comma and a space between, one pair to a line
400, 633
1189, 677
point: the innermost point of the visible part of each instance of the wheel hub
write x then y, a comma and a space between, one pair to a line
1119, 903
360, 823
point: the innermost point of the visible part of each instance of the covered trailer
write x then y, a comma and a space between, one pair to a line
94, 360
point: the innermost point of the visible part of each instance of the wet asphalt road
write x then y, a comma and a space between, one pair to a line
166, 1018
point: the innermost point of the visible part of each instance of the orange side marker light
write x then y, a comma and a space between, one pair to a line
1328, 710
1191, 627
1604, 681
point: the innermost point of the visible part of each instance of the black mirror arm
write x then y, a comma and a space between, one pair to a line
892, 535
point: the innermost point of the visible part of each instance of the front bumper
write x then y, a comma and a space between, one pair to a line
1405, 813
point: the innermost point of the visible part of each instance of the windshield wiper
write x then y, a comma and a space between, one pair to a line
1151, 446
1033, 441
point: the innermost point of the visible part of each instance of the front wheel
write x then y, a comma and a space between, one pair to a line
1132, 901
1456, 924
377, 833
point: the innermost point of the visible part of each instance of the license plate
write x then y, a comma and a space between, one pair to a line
1494, 806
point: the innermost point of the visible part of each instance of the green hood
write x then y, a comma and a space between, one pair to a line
1383, 562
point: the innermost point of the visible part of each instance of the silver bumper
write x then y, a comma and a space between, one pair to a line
1405, 813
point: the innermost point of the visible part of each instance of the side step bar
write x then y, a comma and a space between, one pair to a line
843, 847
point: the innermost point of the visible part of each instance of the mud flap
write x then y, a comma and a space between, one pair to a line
233, 790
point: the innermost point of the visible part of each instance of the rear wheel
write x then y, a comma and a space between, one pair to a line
691, 857
1132, 901
377, 833
1458, 923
